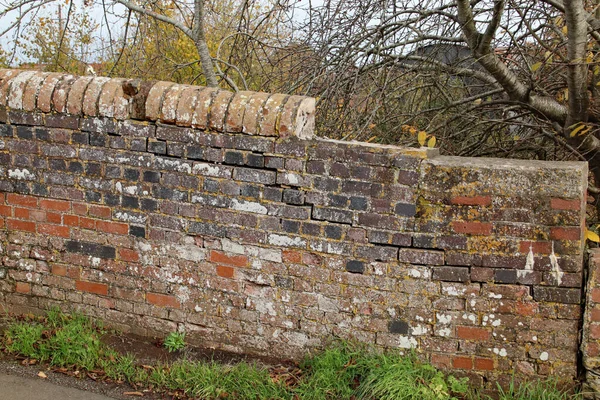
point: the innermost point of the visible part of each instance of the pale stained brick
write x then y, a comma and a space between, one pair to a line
32, 90
270, 114
75, 99
168, 112
155, 99
5, 76
218, 110
252, 116
203, 105
235, 113
61, 91
106, 103
17, 89
90, 98
186, 105
121, 102
44, 100
298, 118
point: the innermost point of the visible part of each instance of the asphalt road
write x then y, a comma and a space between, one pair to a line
14, 387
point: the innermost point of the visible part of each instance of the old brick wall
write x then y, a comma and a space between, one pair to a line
159, 207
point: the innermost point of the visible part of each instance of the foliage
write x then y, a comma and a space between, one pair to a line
342, 371
174, 341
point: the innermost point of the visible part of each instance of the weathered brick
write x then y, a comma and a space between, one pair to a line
473, 228
162, 300
451, 274
92, 287
90, 249
557, 295
422, 257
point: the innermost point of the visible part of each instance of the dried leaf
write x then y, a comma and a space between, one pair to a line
42, 375
140, 394
579, 127
422, 137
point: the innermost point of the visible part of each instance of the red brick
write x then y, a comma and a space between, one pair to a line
15, 224
559, 233
71, 220
563, 204
87, 223
292, 256
162, 300
112, 227
462, 363
526, 309
224, 271
484, 364
595, 314
472, 200
20, 200
474, 228
92, 287
22, 213
222, 258
23, 287
536, 247
594, 331
53, 217
100, 211
441, 361
55, 205
593, 349
595, 295
129, 255
80, 209
6, 211
472, 333
54, 230
60, 270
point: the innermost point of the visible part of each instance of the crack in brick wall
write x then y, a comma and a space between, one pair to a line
158, 206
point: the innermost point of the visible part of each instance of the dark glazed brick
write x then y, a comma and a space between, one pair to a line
398, 326
112, 171
284, 282
62, 121
80, 138
355, 266
93, 169
44, 135
406, 210
195, 153
250, 191
254, 175
292, 196
111, 199
93, 197
25, 118
6, 130
22, 160
272, 194
203, 228
151, 176
255, 160
505, 276
117, 142
211, 185
25, 132
149, 205
333, 232
138, 144
98, 139
57, 165
98, 125
377, 253
274, 162
332, 214
311, 229
39, 189
234, 158
169, 194
338, 201
358, 203
130, 202
157, 147
131, 174
451, 274
175, 149
137, 231
75, 167
379, 237
90, 249
290, 226
557, 294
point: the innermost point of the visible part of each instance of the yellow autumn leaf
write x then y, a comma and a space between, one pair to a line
421, 137
592, 236
536, 66
577, 129
565, 30
431, 142
589, 57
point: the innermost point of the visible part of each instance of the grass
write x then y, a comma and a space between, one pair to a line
342, 371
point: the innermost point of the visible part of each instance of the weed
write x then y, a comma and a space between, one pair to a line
175, 341
24, 338
535, 390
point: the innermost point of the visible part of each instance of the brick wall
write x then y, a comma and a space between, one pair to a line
158, 207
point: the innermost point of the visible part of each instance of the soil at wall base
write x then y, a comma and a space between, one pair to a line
146, 352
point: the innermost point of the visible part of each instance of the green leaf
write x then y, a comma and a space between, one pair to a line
536, 66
